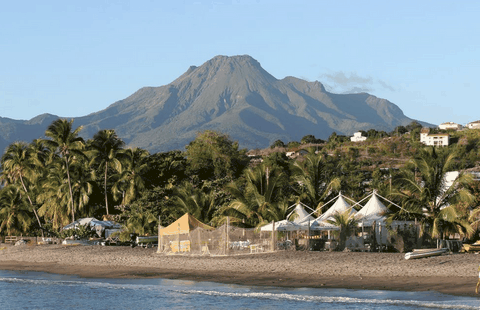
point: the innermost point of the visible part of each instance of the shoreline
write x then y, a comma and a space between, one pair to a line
454, 274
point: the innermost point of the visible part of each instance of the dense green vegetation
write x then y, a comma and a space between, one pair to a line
50, 182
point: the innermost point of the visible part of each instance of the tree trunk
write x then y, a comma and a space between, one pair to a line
105, 187
31, 204
70, 188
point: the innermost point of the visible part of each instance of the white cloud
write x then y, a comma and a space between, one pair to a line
351, 82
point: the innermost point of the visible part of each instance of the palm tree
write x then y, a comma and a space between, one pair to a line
130, 180
19, 167
54, 196
315, 179
200, 203
140, 223
14, 216
425, 196
105, 147
256, 197
346, 222
83, 179
68, 145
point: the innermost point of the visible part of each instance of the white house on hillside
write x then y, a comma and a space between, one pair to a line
357, 137
474, 125
435, 139
450, 125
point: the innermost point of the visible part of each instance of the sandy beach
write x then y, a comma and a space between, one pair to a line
451, 274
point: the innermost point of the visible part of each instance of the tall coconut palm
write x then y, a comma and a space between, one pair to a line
106, 146
83, 180
130, 180
425, 196
54, 197
20, 167
14, 216
64, 140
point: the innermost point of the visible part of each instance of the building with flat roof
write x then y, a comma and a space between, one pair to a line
357, 137
434, 139
450, 125
474, 125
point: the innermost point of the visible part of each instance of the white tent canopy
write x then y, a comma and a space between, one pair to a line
340, 206
283, 225
373, 211
300, 215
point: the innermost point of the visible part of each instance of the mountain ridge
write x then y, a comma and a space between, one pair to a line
231, 94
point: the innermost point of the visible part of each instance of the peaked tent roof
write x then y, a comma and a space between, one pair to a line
374, 210
300, 215
183, 225
340, 206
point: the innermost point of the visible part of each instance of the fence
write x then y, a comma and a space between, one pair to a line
224, 240
32, 240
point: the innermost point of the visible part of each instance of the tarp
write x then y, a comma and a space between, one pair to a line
183, 225
93, 222
374, 210
299, 215
80, 222
283, 225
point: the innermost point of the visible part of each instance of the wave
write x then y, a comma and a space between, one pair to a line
329, 299
242, 292
91, 284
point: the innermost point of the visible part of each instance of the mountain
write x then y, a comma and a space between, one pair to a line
233, 95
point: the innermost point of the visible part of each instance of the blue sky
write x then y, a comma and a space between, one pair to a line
72, 58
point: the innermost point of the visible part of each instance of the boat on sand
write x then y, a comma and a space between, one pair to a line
421, 253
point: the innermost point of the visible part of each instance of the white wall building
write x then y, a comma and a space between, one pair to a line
435, 139
450, 125
474, 125
357, 137
290, 154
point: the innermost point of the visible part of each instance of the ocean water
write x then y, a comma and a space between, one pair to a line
37, 290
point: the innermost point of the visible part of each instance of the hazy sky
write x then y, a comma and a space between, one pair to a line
72, 58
